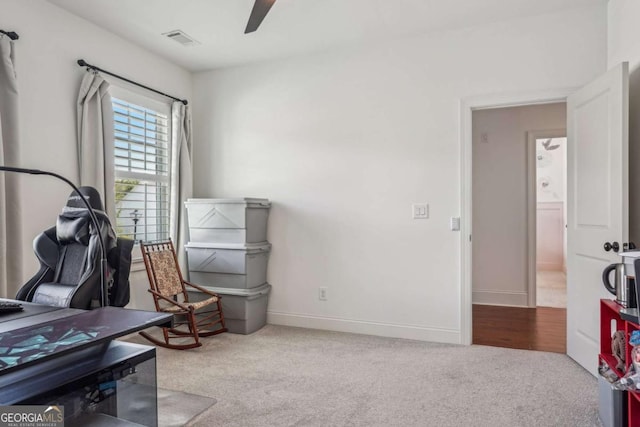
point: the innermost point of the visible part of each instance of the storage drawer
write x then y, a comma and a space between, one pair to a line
254, 277
245, 310
249, 259
228, 220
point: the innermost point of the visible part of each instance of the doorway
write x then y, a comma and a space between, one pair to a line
597, 169
548, 182
515, 195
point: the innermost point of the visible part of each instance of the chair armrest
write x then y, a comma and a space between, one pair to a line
201, 289
159, 295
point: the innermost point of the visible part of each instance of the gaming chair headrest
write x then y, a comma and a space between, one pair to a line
72, 230
73, 223
92, 196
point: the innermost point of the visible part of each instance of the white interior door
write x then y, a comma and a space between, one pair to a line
597, 203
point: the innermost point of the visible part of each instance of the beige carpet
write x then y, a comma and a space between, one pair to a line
283, 376
551, 289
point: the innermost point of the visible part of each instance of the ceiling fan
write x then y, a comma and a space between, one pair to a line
259, 11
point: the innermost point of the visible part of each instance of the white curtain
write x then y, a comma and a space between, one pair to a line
95, 138
10, 218
181, 176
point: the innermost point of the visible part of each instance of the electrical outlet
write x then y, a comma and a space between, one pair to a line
322, 294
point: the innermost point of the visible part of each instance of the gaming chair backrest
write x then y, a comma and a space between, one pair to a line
69, 256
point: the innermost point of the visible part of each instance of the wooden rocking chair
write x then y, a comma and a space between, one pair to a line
170, 295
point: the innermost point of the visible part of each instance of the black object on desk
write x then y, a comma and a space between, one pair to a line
10, 307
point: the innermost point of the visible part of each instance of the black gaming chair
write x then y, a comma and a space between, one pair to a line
69, 256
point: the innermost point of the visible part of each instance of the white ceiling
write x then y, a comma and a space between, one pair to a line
292, 27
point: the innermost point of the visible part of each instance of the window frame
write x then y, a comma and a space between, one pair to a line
161, 106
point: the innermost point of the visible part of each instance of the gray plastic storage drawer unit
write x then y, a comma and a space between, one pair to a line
228, 265
228, 220
245, 310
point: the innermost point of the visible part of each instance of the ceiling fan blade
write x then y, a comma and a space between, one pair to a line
259, 11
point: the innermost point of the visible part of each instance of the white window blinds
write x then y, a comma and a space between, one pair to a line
142, 171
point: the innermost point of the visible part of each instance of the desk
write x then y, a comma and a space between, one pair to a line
32, 314
43, 350
54, 333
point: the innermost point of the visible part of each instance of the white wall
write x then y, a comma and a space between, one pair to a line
51, 40
550, 169
344, 142
623, 34
500, 250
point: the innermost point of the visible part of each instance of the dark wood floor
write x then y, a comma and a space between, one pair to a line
541, 328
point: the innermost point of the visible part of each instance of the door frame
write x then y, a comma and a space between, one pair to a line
467, 106
532, 206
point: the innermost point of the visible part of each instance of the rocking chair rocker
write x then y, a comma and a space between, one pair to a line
170, 295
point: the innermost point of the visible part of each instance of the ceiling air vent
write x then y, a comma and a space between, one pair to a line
181, 37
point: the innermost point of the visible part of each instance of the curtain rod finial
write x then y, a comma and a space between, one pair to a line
81, 62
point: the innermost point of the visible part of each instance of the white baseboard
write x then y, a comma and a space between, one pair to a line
419, 333
516, 299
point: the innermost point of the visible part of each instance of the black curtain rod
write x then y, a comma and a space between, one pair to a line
12, 34
83, 63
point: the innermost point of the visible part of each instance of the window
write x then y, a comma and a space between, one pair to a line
142, 167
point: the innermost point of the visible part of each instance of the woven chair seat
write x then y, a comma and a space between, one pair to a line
196, 305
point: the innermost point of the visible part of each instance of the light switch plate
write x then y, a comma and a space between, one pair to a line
455, 223
420, 211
